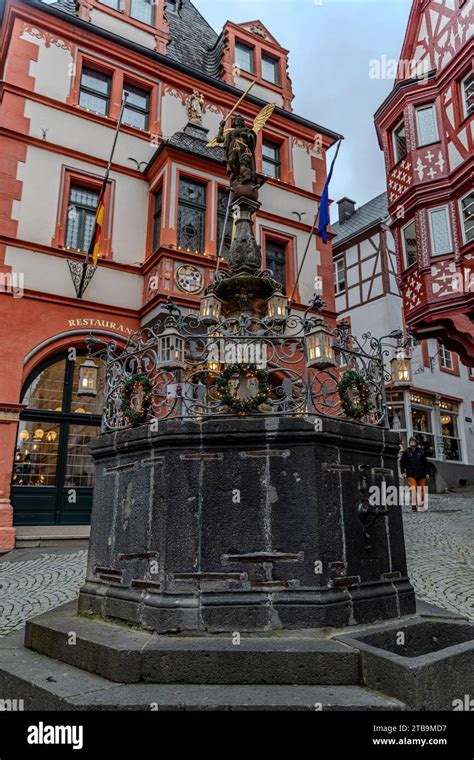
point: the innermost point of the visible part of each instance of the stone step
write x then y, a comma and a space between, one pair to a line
125, 655
46, 684
31, 536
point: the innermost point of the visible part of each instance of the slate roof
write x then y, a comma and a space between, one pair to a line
194, 139
68, 6
192, 39
364, 217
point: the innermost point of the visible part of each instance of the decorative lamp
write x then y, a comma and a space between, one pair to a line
24, 435
88, 373
401, 370
320, 345
171, 349
211, 308
277, 306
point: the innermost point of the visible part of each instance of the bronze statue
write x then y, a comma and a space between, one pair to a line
239, 143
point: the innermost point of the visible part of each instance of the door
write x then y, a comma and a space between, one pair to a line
53, 473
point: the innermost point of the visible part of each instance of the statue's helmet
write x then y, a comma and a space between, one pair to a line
238, 121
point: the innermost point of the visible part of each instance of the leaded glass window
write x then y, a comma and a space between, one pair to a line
276, 261
142, 10
427, 128
467, 210
409, 243
468, 94
270, 69
440, 231
222, 203
192, 215
81, 217
399, 141
95, 91
157, 210
244, 57
137, 109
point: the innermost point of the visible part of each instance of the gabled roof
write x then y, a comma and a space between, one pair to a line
411, 33
259, 29
365, 217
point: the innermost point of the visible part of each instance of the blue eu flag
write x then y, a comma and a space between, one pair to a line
324, 219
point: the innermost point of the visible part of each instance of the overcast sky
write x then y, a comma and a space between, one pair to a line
331, 45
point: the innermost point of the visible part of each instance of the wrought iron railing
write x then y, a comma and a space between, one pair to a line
278, 347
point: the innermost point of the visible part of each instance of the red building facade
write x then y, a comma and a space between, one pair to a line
64, 68
426, 130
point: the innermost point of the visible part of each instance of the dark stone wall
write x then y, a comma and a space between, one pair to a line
219, 525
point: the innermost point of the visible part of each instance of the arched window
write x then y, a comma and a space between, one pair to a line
53, 472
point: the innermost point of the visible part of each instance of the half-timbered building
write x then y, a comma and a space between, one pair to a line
433, 397
426, 130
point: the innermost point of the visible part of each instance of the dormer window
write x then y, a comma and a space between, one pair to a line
142, 10
172, 5
244, 57
115, 4
270, 69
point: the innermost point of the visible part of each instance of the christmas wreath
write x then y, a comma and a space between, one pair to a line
136, 384
355, 408
231, 400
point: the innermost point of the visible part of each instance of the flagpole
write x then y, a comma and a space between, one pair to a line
315, 224
103, 188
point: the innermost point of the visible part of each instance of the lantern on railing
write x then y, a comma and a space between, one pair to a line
88, 373
320, 345
277, 307
401, 370
171, 349
211, 308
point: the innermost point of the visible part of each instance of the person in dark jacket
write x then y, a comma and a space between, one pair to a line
414, 468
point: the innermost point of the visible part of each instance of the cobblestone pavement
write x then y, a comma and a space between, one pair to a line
33, 581
440, 555
439, 551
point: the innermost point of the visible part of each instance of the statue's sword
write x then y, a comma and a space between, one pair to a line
214, 143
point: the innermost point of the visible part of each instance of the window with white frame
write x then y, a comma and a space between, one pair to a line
467, 217
427, 126
440, 231
467, 92
399, 137
339, 276
409, 243
445, 358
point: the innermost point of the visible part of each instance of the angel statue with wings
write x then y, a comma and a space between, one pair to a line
239, 143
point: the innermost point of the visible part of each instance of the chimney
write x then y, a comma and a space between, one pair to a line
346, 209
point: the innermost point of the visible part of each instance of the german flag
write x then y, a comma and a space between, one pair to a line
94, 247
